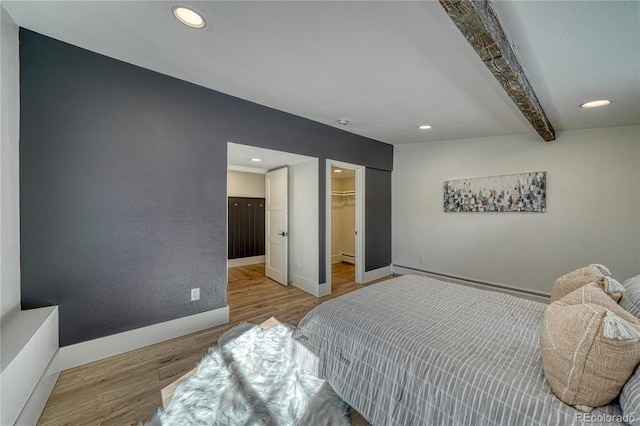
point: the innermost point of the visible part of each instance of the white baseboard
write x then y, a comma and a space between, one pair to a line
305, 284
105, 347
538, 297
324, 289
35, 404
348, 258
243, 261
375, 274
335, 258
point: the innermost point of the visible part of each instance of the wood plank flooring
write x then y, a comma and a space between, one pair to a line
125, 389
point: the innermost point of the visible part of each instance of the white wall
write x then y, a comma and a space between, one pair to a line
343, 219
9, 178
303, 226
242, 184
593, 207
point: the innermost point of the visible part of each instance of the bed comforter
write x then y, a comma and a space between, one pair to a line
418, 351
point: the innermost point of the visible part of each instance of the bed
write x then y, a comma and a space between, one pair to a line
418, 351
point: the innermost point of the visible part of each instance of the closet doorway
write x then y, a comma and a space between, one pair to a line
345, 222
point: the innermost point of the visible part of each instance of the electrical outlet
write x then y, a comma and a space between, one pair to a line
421, 260
195, 294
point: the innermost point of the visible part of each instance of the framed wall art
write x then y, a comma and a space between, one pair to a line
523, 192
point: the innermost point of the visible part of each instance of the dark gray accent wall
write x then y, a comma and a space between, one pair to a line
377, 193
123, 187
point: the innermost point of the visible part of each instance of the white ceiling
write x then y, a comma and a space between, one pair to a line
386, 66
239, 158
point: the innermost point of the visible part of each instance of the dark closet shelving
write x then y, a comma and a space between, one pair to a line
246, 227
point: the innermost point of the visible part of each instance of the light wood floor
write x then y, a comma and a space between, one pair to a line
125, 389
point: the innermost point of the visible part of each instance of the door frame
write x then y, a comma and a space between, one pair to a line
360, 215
277, 158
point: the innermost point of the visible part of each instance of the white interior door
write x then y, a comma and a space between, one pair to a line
277, 233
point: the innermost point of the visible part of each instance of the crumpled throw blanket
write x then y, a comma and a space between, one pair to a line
250, 379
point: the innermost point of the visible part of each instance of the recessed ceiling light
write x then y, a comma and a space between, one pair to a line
189, 17
257, 160
595, 104
337, 171
424, 127
343, 122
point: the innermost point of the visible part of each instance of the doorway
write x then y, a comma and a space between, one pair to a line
296, 259
345, 222
343, 225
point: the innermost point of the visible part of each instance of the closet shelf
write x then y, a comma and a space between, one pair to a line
344, 193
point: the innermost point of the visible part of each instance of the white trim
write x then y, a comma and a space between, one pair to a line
348, 258
105, 347
243, 261
360, 254
360, 214
305, 284
324, 290
35, 404
376, 274
336, 258
400, 270
327, 229
245, 169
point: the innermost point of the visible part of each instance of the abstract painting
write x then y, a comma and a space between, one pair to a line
523, 192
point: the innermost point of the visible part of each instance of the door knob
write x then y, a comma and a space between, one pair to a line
284, 234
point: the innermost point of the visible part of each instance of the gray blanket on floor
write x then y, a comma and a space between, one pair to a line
249, 379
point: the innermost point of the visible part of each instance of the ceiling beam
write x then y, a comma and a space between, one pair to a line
480, 26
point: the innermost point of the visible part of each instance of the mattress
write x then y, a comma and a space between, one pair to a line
418, 351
